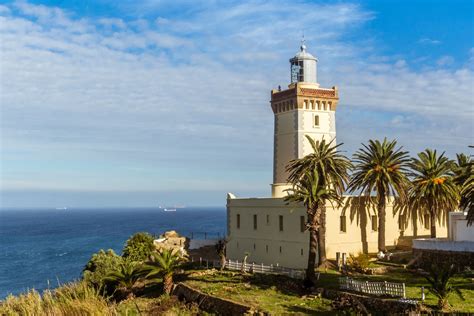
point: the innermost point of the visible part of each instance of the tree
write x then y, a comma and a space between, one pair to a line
464, 171
164, 264
317, 178
220, 249
380, 167
433, 189
125, 277
139, 247
99, 266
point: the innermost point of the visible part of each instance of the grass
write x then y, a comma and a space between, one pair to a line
80, 299
163, 305
274, 294
282, 295
461, 300
70, 299
266, 293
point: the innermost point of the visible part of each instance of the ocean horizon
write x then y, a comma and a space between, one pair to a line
41, 248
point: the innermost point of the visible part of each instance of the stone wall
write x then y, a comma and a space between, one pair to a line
373, 304
460, 259
210, 303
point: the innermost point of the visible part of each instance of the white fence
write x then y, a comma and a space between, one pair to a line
261, 268
374, 288
254, 268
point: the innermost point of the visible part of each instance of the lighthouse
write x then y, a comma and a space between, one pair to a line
303, 109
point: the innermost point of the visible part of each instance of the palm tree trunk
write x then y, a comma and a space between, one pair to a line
381, 213
322, 237
313, 246
168, 283
223, 262
433, 223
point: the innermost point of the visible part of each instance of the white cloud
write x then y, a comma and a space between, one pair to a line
188, 97
445, 61
429, 41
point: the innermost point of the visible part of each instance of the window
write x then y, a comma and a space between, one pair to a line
316, 120
237, 245
268, 219
255, 221
374, 223
280, 249
302, 251
342, 224
266, 248
238, 220
427, 221
281, 222
401, 222
254, 246
302, 224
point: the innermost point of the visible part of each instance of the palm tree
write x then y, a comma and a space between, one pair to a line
380, 167
125, 277
433, 187
316, 178
464, 170
164, 264
439, 278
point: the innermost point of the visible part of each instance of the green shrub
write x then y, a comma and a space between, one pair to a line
139, 247
99, 266
360, 262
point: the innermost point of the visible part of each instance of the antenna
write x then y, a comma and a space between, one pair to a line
303, 41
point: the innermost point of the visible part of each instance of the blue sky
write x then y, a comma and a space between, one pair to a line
127, 103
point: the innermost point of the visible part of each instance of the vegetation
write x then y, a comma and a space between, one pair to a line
272, 294
164, 264
439, 279
317, 178
433, 190
464, 170
124, 277
139, 247
99, 266
380, 167
220, 249
360, 262
70, 299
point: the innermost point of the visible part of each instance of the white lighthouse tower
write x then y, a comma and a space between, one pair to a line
302, 109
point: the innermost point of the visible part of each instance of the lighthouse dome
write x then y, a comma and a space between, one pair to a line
303, 66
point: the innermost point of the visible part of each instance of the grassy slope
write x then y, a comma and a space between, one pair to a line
280, 295
413, 282
274, 294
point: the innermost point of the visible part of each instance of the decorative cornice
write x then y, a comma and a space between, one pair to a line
321, 93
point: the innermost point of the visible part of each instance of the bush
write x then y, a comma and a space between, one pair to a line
139, 247
359, 262
99, 266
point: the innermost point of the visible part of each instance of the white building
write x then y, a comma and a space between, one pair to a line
271, 231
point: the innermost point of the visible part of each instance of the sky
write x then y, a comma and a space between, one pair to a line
147, 103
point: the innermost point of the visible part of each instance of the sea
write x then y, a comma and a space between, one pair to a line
43, 248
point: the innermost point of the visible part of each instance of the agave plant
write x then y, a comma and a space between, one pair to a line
164, 263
